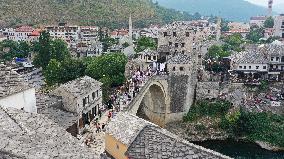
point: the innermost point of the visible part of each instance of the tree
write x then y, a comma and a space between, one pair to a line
255, 34
52, 72
111, 66
71, 69
47, 49
108, 42
59, 50
233, 42
145, 43
269, 23
43, 49
125, 45
217, 52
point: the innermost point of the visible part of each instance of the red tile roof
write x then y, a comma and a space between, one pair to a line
24, 29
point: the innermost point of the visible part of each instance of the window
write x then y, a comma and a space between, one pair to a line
249, 67
170, 43
154, 57
272, 58
149, 57
240, 67
174, 34
97, 93
181, 68
174, 68
245, 67
264, 67
165, 34
176, 44
277, 58
84, 102
187, 34
208, 91
93, 95
257, 67
182, 44
182, 51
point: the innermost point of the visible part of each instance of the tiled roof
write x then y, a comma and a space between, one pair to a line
125, 127
258, 18
179, 59
34, 136
254, 57
24, 29
149, 52
81, 86
10, 82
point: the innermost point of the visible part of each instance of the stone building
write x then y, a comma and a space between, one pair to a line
279, 26
83, 97
128, 136
34, 136
14, 92
181, 37
148, 56
207, 90
179, 64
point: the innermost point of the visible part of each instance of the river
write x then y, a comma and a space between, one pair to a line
241, 149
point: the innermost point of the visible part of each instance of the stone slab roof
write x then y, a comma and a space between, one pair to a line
149, 52
80, 86
125, 127
179, 59
254, 57
10, 82
157, 143
34, 136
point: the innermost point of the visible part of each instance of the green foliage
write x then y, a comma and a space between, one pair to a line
108, 42
109, 66
233, 42
217, 52
47, 49
52, 72
257, 127
205, 108
16, 49
111, 14
125, 45
255, 34
144, 43
269, 22
264, 85
71, 69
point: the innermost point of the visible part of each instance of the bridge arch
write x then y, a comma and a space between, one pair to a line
153, 100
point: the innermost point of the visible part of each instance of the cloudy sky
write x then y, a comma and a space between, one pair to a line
264, 2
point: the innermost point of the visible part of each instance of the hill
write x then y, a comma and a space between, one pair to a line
236, 10
111, 13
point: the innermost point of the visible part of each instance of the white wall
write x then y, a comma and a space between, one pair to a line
25, 99
252, 67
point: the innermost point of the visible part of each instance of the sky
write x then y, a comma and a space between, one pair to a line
277, 8
264, 2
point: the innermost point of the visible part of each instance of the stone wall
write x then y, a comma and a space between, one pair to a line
178, 85
207, 90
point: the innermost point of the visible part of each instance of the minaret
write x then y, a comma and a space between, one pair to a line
218, 35
270, 5
130, 33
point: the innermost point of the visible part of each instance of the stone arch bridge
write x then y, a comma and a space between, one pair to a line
164, 99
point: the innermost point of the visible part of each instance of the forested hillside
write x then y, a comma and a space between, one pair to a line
110, 13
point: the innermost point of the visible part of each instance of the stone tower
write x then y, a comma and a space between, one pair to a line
218, 35
130, 33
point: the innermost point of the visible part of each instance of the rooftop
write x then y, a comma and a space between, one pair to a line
125, 127
10, 82
81, 86
149, 52
179, 59
35, 136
